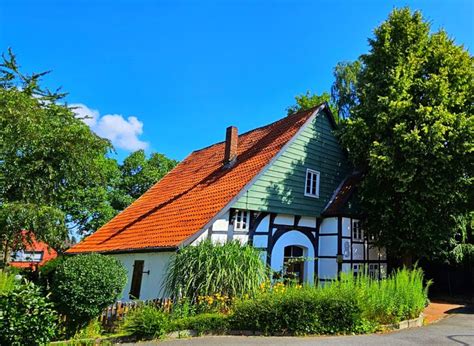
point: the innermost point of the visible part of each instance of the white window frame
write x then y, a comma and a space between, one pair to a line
357, 231
27, 256
241, 220
310, 175
374, 269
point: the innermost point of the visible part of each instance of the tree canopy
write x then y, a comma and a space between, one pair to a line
310, 100
411, 132
52, 166
137, 174
55, 173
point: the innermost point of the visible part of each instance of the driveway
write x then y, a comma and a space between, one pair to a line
456, 329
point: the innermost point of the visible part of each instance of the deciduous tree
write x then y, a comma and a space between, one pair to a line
411, 131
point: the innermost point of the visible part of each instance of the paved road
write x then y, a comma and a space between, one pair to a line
457, 329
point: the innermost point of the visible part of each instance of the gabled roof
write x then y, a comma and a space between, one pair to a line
31, 244
187, 199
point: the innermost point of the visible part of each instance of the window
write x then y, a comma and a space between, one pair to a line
241, 220
312, 183
374, 270
357, 232
294, 263
27, 256
357, 268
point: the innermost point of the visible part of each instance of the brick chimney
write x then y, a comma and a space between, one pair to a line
231, 144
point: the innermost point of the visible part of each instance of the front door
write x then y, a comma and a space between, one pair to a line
294, 263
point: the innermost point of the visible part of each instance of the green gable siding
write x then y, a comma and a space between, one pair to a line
281, 188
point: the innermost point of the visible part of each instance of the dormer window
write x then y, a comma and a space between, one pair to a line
312, 183
241, 220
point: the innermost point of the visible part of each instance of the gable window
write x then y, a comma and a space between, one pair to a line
357, 232
27, 256
312, 183
241, 220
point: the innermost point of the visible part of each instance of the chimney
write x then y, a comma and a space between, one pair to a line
231, 143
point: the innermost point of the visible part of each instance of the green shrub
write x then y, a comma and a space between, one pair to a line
353, 304
84, 285
26, 317
401, 296
91, 330
298, 311
230, 269
203, 323
7, 282
146, 322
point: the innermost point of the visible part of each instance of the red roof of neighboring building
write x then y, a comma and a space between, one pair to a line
37, 246
193, 193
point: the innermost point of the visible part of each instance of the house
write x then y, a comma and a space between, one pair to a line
286, 188
35, 253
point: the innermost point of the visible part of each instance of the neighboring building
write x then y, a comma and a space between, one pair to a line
34, 255
286, 188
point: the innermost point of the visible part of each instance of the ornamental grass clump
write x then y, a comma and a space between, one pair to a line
207, 269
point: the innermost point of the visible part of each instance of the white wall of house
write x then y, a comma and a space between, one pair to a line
156, 263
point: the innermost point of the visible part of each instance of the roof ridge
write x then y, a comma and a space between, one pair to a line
299, 113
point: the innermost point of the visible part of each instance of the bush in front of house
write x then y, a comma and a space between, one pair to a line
231, 269
403, 295
84, 285
350, 305
26, 316
146, 322
216, 323
297, 311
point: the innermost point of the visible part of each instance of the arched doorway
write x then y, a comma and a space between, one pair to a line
294, 244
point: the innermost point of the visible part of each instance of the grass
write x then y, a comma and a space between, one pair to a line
230, 269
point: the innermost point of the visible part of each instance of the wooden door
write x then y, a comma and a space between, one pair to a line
136, 279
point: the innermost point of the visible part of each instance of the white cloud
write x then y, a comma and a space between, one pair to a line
123, 133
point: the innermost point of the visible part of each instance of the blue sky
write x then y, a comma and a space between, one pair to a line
172, 75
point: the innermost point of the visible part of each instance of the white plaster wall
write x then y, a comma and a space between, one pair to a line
219, 238
283, 219
156, 263
373, 253
327, 268
260, 241
298, 239
358, 251
329, 225
346, 267
346, 248
307, 221
346, 227
327, 245
222, 223
202, 237
264, 224
242, 238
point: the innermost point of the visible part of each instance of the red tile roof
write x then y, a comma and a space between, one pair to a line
196, 190
38, 246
